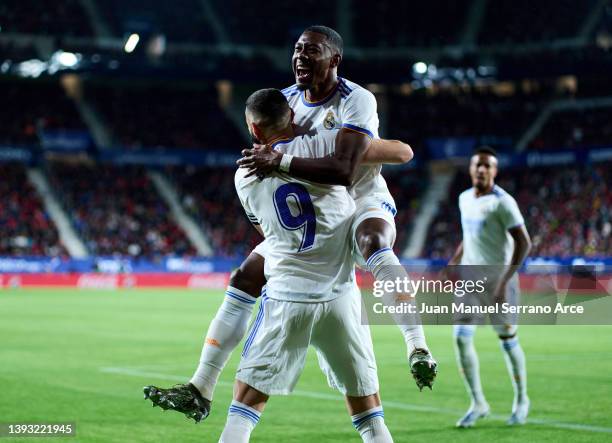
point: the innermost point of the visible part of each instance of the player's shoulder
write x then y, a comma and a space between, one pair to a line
291, 91
349, 89
465, 195
241, 181
502, 194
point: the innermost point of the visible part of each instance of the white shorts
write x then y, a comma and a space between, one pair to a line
372, 206
275, 350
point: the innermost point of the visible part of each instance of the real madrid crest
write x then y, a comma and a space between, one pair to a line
330, 121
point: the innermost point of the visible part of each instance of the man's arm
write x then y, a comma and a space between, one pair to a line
522, 246
338, 169
456, 258
391, 152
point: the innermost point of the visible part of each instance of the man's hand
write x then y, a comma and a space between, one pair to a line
261, 160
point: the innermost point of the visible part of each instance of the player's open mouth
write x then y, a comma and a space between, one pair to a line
303, 75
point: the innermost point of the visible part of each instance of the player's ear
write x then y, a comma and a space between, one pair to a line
258, 133
335, 60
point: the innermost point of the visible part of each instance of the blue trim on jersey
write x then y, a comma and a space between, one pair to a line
281, 142
358, 129
362, 420
322, 102
288, 89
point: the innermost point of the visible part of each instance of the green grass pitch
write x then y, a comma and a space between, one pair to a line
83, 357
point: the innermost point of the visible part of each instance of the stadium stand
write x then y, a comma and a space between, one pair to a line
208, 195
161, 116
158, 16
134, 222
25, 228
576, 129
63, 17
35, 105
512, 22
422, 23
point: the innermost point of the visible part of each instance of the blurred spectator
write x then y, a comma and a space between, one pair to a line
34, 105
25, 228
576, 129
157, 116
59, 17
117, 211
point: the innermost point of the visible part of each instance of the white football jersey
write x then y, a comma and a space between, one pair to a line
485, 221
347, 106
307, 227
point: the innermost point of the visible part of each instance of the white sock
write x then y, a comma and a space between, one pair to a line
467, 359
515, 361
224, 333
371, 426
385, 266
241, 420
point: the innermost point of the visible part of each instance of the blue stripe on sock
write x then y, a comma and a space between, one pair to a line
245, 413
239, 298
362, 420
376, 254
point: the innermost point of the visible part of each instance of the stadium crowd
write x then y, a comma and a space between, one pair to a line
117, 211
160, 116
25, 227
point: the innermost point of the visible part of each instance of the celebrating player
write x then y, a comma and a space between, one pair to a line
324, 102
493, 234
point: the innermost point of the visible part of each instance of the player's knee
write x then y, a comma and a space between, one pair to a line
247, 281
370, 241
463, 334
505, 332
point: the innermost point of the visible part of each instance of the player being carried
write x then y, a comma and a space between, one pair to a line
323, 103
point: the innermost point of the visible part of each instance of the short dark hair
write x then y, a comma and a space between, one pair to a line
268, 107
485, 150
332, 36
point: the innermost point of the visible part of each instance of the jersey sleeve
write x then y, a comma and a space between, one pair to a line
239, 183
360, 113
510, 213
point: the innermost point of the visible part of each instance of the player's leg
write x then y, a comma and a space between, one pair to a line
369, 418
224, 333
515, 359
346, 357
469, 366
243, 414
375, 238
230, 323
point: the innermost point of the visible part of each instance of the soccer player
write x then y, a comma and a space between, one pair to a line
324, 102
493, 234
311, 292
230, 323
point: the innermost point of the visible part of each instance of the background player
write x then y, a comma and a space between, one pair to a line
494, 233
324, 102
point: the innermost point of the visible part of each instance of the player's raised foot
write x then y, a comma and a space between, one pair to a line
423, 368
473, 414
520, 410
185, 399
